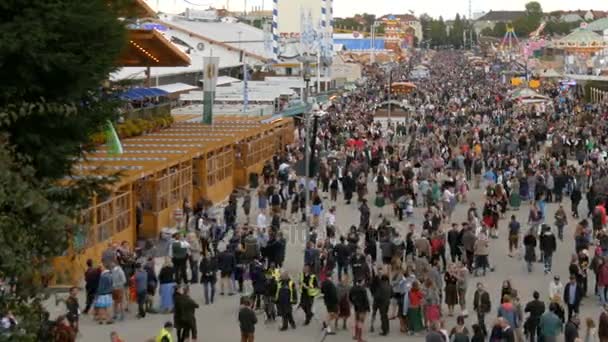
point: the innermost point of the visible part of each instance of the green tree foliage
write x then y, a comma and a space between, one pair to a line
500, 29
54, 57
487, 32
559, 28
438, 33
530, 22
457, 32
57, 52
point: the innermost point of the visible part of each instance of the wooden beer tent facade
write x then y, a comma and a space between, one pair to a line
158, 171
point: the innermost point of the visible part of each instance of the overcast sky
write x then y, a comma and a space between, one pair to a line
446, 8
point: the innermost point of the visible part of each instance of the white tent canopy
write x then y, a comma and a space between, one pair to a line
176, 87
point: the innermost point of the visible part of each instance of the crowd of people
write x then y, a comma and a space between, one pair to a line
463, 134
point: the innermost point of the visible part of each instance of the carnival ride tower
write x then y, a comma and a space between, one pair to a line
510, 42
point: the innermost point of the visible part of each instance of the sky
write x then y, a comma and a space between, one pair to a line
342, 8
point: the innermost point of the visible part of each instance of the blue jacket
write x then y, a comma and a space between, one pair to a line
105, 283
141, 281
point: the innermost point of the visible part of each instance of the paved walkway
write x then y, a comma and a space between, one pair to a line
218, 322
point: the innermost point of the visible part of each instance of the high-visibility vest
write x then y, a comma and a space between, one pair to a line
290, 286
311, 290
164, 333
276, 274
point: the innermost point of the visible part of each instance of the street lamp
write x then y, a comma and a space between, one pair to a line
306, 61
373, 47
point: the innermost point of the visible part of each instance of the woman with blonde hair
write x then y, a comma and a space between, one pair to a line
343, 301
590, 331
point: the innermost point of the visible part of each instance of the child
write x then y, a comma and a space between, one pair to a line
409, 207
247, 320
73, 308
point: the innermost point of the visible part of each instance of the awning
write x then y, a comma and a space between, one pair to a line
150, 48
176, 87
142, 93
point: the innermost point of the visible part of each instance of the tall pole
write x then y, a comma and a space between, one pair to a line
390, 84
306, 76
471, 23
319, 70
373, 52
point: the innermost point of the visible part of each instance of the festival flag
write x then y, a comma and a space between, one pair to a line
211, 70
112, 140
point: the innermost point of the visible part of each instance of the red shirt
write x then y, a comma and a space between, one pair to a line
415, 298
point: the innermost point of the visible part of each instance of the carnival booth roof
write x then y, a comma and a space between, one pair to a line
550, 73
402, 87
527, 94
598, 25
581, 40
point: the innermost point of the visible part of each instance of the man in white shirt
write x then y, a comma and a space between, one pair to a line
262, 222
556, 288
330, 217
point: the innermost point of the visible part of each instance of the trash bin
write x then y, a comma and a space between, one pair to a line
254, 180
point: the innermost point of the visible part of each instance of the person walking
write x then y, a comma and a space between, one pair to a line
330, 298
358, 297
227, 265
548, 246
535, 308
179, 257
571, 330
91, 278
208, 270
591, 334
482, 305
602, 326
344, 306
530, 249
103, 301
573, 294
285, 298
310, 290
183, 315
166, 279
514, 231
550, 324
247, 320
119, 281
141, 289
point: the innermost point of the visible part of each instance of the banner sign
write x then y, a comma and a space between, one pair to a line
210, 74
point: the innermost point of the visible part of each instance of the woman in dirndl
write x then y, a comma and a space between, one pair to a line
166, 279
515, 198
103, 303
343, 301
432, 311
414, 311
451, 289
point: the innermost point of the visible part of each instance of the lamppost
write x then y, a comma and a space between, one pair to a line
373, 42
306, 61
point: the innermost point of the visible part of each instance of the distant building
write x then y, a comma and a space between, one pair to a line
477, 15
410, 25
290, 15
575, 16
490, 19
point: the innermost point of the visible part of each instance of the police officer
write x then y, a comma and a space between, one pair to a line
286, 296
310, 290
